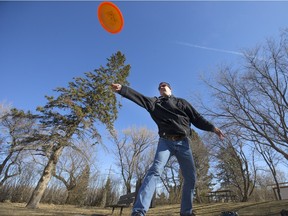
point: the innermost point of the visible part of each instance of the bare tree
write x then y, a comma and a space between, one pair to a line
144, 162
234, 169
21, 186
73, 171
130, 152
263, 190
95, 194
271, 158
172, 180
253, 98
15, 125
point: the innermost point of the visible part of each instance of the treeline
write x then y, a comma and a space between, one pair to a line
82, 195
48, 155
76, 182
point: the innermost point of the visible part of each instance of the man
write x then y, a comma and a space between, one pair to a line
173, 117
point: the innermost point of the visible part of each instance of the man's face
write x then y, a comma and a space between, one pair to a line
164, 90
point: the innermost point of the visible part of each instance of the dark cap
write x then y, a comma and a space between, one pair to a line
164, 83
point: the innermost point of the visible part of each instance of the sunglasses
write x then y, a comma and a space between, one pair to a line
163, 85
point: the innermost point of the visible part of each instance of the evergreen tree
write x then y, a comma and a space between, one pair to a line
75, 111
201, 158
107, 190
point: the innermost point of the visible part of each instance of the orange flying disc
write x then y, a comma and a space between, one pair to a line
110, 17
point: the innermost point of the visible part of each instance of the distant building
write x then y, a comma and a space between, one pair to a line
283, 190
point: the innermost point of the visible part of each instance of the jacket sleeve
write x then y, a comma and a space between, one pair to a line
196, 118
136, 97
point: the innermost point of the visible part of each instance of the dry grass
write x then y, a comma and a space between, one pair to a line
19, 209
271, 208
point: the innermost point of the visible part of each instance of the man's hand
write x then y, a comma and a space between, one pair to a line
219, 133
116, 87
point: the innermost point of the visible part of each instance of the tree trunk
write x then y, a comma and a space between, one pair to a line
278, 187
45, 178
128, 187
244, 198
104, 199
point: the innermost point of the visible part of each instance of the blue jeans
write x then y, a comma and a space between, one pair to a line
167, 148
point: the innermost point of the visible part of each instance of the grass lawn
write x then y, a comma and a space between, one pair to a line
269, 208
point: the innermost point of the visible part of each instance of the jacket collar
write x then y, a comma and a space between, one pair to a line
162, 98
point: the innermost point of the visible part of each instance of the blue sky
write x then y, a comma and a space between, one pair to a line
43, 45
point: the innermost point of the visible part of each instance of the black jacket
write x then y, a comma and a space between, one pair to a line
172, 115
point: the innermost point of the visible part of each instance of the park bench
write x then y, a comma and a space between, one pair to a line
221, 196
124, 201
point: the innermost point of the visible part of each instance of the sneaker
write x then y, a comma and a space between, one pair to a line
136, 214
193, 214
